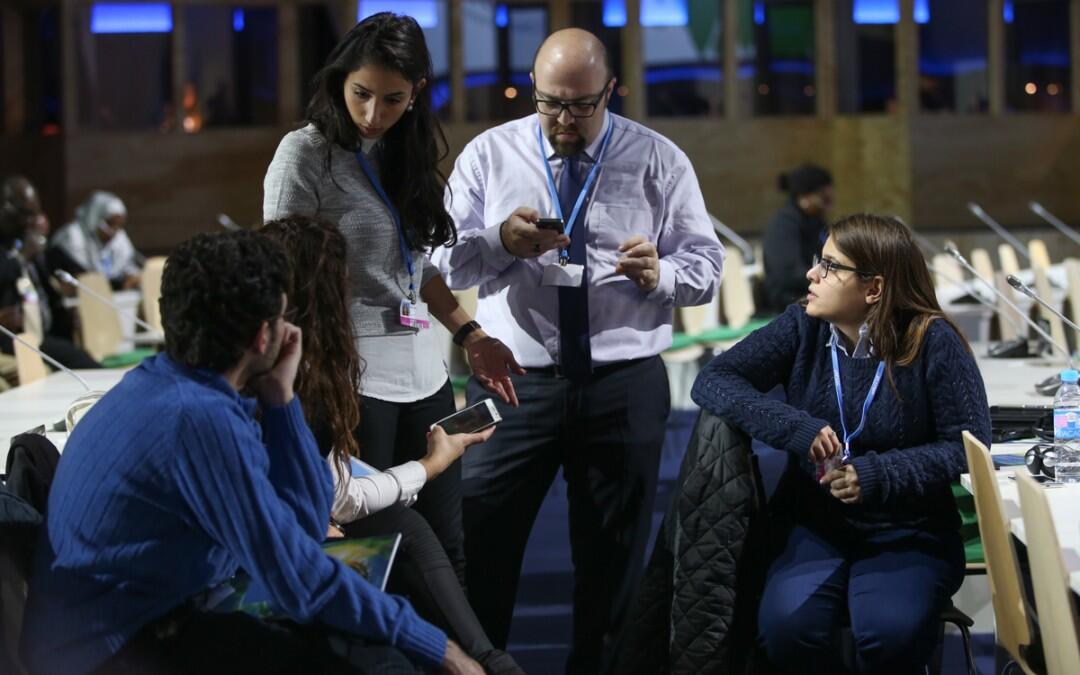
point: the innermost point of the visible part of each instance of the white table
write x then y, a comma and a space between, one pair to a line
45, 402
1011, 382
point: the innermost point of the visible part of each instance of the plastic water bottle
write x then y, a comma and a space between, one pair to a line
1067, 428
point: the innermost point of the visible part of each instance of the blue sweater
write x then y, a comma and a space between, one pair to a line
911, 448
167, 487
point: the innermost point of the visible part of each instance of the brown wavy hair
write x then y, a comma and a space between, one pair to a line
908, 305
328, 380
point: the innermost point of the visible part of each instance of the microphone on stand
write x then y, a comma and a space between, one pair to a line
67, 278
227, 223
994, 225
1005, 346
1026, 290
951, 249
50, 360
1041, 212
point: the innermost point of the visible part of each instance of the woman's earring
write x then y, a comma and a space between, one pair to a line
409, 109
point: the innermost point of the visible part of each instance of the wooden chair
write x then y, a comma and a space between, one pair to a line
1053, 594
1008, 327
1007, 257
737, 292
28, 363
99, 325
151, 291
1040, 256
691, 322
947, 271
980, 260
1042, 287
1072, 277
1014, 626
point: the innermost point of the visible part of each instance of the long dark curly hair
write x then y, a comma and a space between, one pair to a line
412, 148
328, 380
216, 292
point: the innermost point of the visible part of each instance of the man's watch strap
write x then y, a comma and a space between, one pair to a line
463, 332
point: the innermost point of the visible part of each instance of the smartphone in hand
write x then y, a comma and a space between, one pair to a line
553, 224
476, 417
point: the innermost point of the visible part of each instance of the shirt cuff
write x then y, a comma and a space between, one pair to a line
664, 293
492, 249
410, 476
424, 643
286, 419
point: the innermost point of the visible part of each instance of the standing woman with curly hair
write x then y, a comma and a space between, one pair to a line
368, 162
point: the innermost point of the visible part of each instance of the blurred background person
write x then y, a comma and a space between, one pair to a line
96, 241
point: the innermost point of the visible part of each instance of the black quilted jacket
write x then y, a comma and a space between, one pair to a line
694, 612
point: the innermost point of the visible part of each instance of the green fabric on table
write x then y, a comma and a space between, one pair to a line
127, 359
458, 383
969, 524
718, 334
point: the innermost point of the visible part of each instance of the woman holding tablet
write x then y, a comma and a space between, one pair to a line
367, 162
879, 386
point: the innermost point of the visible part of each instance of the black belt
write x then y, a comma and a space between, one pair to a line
597, 371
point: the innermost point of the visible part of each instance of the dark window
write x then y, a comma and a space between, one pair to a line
865, 56
499, 44
318, 35
776, 56
1037, 55
952, 55
683, 56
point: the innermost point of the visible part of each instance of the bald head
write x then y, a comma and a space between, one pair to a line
571, 66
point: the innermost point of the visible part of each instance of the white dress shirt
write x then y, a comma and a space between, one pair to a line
645, 186
361, 490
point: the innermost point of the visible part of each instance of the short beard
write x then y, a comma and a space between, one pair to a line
562, 148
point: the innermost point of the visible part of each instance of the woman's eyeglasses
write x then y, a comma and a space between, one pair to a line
825, 266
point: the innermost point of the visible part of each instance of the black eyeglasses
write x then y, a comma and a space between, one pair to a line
577, 109
825, 266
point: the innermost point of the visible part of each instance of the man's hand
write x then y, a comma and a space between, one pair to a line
640, 263
523, 239
843, 483
275, 388
492, 362
825, 445
131, 281
457, 662
444, 449
332, 532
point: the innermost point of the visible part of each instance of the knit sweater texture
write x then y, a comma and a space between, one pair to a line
910, 449
165, 490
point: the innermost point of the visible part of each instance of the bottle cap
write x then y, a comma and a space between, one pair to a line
1070, 375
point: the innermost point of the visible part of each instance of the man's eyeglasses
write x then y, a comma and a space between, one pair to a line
825, 266
552, 108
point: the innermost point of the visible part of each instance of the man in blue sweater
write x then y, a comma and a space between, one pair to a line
171, 484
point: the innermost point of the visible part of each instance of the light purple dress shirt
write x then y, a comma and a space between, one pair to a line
646, 186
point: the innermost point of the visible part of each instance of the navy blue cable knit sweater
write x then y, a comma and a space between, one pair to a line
910, 449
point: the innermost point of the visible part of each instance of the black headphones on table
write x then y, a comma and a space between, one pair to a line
1041, 459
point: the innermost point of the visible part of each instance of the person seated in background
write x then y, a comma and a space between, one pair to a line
96, 241
879, 386
171, 484
795, 234
328, 384
24, 292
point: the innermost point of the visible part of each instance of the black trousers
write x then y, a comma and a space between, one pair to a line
606, 435
203, 643
394, 433
423, 573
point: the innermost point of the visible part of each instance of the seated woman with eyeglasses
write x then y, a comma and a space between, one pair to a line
879, 386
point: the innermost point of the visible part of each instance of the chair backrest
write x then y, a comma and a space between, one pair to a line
1053, 595
1042, 287
151, 290
28, 363
738, 295
1039, 254
99, 324
1007, 257
1013, 326
1072, 278
947, 271
1002, 568
980, 260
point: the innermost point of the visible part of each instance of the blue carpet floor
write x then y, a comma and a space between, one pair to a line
540, 635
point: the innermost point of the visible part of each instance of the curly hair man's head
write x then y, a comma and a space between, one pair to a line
216, 292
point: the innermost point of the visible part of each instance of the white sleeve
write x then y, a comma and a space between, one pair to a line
357, 497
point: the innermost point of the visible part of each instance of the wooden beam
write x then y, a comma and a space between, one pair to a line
69, 47
633, 71
907, 60
995, 57
730, 49
178, 48
825, 57
14, 65
288, 56
458, 95
559, 15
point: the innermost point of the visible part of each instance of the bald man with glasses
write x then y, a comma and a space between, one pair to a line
583, 230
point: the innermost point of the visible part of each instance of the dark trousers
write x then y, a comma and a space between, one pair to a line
606, 435
423, 573
394, 433
890, 587
67, 353
204, 643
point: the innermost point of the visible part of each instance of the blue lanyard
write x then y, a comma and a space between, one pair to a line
569, 224
402, 243
848, 438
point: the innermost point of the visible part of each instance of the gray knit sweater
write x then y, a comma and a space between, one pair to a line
297, 183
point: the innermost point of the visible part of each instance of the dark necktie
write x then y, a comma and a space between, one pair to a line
575, 352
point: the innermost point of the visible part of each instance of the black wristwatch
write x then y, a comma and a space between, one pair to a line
463, 332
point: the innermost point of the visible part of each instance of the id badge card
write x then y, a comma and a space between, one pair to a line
414, 314
569, 275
